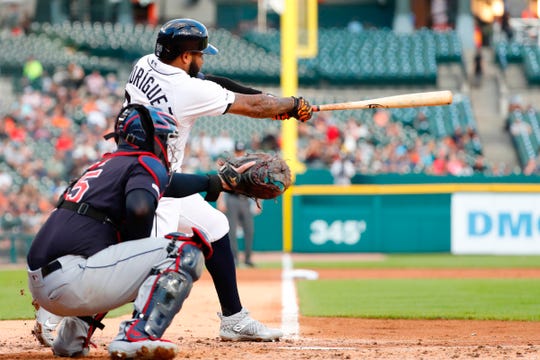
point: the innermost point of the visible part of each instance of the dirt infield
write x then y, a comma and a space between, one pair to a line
195, 329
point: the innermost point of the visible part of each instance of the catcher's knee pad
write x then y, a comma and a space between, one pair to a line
191, 261
172, 287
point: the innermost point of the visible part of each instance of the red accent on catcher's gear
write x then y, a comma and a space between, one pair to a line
199, 239
134, 335
92, 329
205, 245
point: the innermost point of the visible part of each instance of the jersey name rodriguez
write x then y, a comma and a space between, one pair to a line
146, 83
171, 89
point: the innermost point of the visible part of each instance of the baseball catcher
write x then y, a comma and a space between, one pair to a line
94, 253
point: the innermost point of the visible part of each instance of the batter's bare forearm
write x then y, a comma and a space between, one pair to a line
260, 106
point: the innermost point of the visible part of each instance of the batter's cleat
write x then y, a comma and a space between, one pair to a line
142, 350
242, 327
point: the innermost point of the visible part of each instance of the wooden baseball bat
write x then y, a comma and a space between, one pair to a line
432, 98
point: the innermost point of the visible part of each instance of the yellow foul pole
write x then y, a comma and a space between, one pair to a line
289, 87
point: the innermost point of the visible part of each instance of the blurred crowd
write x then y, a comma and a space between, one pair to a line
55, 128
49, 134
384, 146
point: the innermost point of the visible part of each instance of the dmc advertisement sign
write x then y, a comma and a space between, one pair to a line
495, 223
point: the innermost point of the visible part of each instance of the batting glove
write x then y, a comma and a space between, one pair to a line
302, 111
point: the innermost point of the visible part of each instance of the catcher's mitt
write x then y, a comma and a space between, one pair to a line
268, 178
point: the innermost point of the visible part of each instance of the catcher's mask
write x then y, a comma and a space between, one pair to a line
146, 128
181, 35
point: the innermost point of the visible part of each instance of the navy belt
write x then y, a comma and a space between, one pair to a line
50, 268
85, 209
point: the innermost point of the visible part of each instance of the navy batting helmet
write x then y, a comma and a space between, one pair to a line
180, 35
146, 128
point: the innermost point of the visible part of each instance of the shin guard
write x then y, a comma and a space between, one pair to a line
171, 288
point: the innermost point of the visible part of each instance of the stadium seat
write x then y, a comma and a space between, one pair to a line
531, 63
523, 142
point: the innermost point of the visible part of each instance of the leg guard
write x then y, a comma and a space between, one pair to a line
171, 287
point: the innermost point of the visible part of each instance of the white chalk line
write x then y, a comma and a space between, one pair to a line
289, 311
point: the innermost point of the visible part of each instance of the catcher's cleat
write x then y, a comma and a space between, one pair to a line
43, 334
45, 327
133, 342
242, 327
146, 349
77, 354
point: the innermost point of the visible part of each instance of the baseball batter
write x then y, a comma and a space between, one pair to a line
170, 79
94, 253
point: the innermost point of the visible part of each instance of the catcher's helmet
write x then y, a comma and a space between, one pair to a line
146, 128
180, 35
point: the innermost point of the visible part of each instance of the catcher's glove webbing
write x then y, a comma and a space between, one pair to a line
268, 178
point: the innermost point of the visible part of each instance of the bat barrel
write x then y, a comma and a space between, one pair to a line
433, 98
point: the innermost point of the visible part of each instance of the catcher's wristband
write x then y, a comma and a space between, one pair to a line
214, 188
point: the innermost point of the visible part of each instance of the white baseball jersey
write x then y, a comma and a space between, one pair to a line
171, 89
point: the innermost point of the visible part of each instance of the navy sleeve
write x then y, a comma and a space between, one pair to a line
232, 85
140, 209
186, 184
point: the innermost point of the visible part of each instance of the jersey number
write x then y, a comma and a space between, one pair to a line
81, 186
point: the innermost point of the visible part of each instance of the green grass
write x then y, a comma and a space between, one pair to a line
393, 261
428, 261
16, 300
505, 299
501, 299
